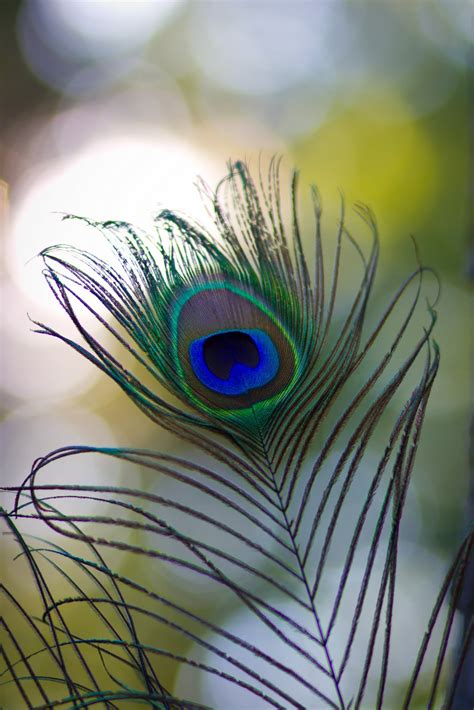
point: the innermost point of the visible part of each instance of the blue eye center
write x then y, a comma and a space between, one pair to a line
224, 350
233, 362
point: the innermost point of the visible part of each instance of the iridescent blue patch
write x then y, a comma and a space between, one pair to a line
233, 362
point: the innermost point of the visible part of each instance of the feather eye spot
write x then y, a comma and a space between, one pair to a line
232, 351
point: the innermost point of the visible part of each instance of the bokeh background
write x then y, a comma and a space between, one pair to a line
112, 109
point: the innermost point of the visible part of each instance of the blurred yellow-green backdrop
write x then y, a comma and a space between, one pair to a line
113, 108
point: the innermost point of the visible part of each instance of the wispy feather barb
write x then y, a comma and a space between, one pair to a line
297, 523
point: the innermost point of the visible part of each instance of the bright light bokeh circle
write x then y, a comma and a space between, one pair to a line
85, 29
126, 176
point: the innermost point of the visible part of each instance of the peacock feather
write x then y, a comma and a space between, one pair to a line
282, 513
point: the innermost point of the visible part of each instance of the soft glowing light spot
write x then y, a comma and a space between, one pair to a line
81, 45
255, 52
102, 26
126, 176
